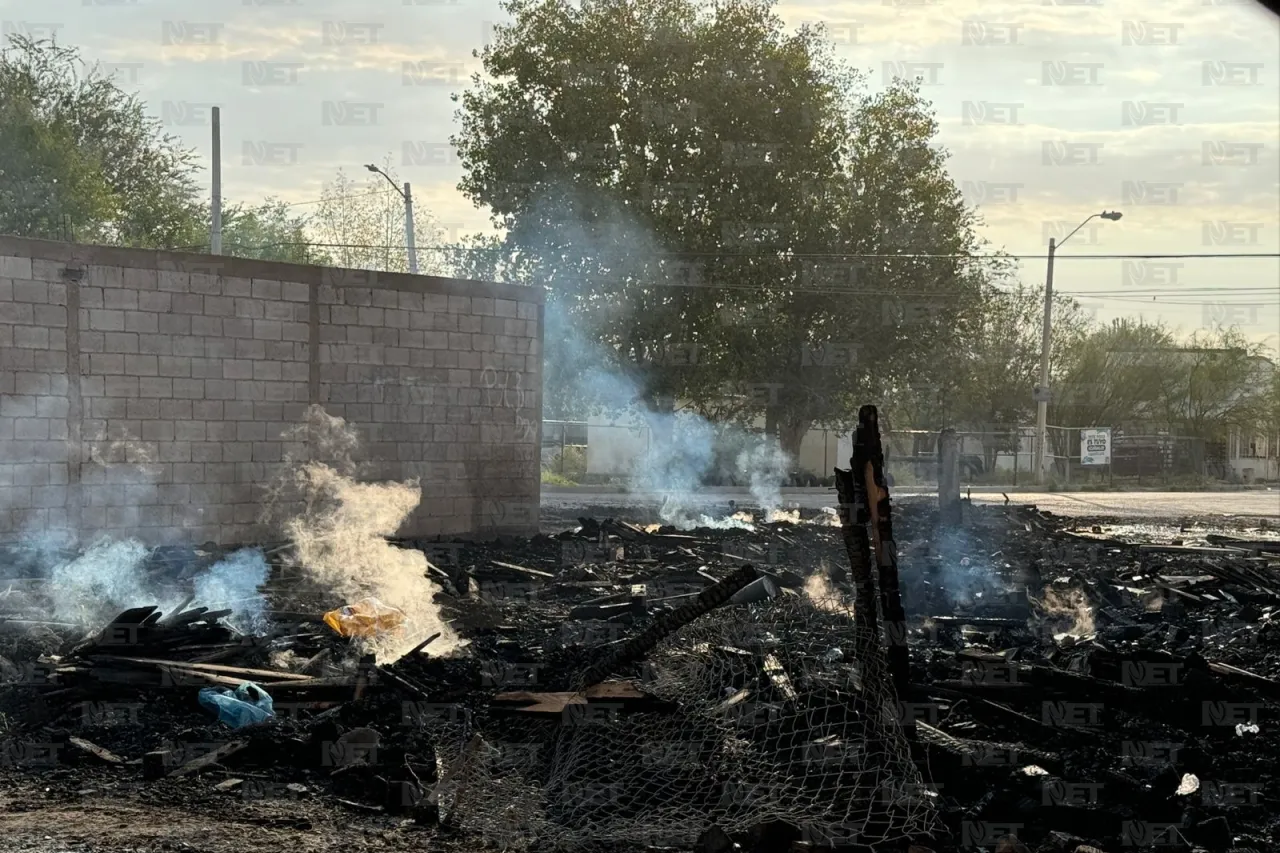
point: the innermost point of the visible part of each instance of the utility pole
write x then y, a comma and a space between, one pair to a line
408, 229
1042, 390
407, 195
215, 225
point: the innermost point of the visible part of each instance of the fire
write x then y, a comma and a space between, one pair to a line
824, 596
1072, 604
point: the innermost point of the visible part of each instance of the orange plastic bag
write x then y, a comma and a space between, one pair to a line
368, 617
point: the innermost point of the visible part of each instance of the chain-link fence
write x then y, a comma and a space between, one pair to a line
766, 716
998, 456
1137, 459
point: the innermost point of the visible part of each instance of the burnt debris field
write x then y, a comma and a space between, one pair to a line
1072, 684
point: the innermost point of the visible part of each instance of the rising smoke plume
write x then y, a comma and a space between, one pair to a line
339, 528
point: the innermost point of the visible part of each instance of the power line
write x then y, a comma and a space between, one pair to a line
796, 255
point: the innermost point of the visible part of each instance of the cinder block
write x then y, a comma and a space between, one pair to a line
461, 305
206, 327
121, 299
11, 267
237, 369
161, 345
17, 314
31, 291
154, 387
158, 431
292, 291
250, 309
219, 306
269, 370
206, 283
31, 337
125, 343
176, 410
172, 281
189, 389
266, 330
248, 348
143, 409
266, 289
137, 279
142, 365
174, 366
385, 298
174, 324
242, 287
237, 328
141, 321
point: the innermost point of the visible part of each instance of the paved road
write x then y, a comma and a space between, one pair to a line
1118, 504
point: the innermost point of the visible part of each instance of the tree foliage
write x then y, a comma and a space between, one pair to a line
359, 224
80, 158
721, 206
271, 231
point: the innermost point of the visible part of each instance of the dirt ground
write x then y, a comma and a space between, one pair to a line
114, 811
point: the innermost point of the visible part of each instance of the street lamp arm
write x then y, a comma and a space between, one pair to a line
373, 168
1078, 227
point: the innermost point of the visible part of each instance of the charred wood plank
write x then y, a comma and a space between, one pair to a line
209, 759
667, 623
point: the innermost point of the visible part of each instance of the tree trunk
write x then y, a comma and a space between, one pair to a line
791, 432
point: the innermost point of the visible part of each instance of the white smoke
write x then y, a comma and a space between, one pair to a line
233, 583
96, 586
340, 528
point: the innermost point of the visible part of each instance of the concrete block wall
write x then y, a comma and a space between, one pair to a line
157, 395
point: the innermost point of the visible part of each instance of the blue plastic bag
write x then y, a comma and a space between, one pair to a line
247, 706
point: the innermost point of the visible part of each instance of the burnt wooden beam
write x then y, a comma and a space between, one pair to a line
857, 544
868, 467
667, 623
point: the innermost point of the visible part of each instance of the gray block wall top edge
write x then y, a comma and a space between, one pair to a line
224, 265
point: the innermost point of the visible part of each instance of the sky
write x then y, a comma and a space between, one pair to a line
1052, 110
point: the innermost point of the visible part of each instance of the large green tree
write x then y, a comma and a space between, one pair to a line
80, 158
721, 205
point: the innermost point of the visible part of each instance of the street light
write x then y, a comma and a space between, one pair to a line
407, 195
1042, 390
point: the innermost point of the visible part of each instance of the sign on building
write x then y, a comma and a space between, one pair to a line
1095, 446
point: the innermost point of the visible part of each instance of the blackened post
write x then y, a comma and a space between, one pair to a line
854, 515
949, 507
868, 467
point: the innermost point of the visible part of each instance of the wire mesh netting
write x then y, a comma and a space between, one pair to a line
771, 711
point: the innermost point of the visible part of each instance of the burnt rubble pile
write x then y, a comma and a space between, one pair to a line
1068, 686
